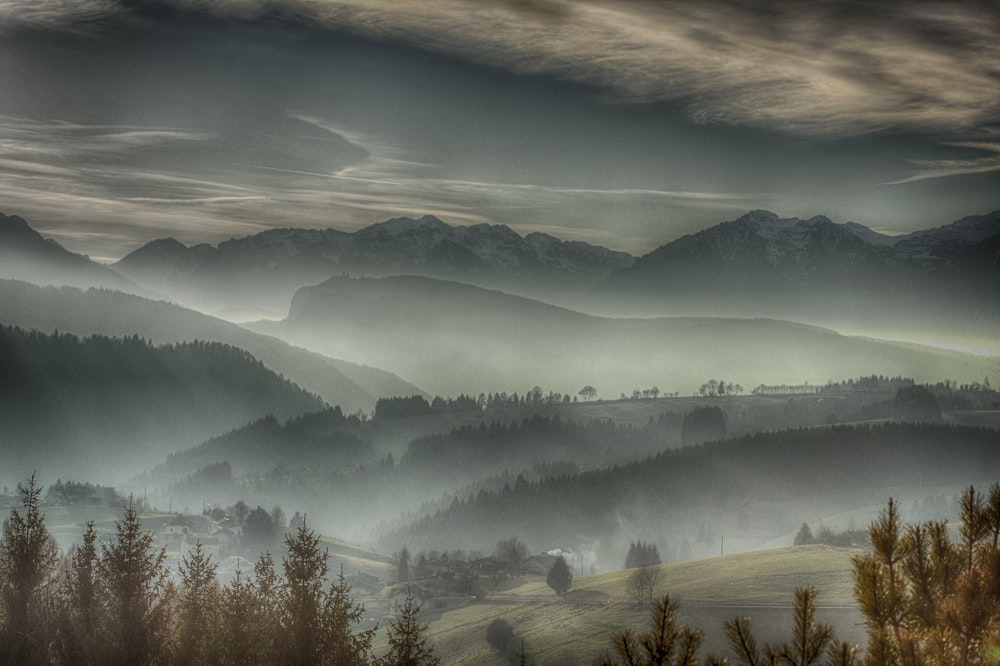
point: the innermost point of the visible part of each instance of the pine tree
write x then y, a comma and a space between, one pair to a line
927, 599
136, 594
198, 623
242, 634
305, 575
28, 555
404, 565
663, 643
560, 578
408, 646
79, 604
342, 645
811, 643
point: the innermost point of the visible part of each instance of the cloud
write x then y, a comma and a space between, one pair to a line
945, 168
812, 68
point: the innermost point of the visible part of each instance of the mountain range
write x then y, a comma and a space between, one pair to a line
262, 271
26, 255
820, 272
931, 284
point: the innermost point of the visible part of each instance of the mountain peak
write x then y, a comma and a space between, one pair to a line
13, 224
402, 225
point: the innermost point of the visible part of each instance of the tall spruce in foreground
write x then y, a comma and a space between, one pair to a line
79, 604
28, 555
929, 600
408, 646
317, 623
198, 622
136, 595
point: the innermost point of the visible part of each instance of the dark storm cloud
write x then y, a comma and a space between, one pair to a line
824, 68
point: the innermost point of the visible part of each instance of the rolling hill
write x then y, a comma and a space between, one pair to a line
577, 628
452, 338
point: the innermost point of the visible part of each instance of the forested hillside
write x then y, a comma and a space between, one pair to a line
746, 490
102, 406
112, 313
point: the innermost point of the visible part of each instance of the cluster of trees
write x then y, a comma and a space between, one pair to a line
642, 555
703, 423
645, 394
65, 493
844, 539
916, 403
715, 387
870, 383
417, 405
116, 604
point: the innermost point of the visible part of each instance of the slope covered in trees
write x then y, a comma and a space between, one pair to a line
747, 490
97, 406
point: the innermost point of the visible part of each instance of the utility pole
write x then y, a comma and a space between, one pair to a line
722, 546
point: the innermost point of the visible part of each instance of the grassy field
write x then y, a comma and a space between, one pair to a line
576, 629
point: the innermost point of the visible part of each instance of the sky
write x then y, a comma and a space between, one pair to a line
625, 123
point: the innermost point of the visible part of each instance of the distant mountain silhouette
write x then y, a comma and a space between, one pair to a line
771, 250
26, 255
348, 385
452, 338
102, 407
817, 271
265, 269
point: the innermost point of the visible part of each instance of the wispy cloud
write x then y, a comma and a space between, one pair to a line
806, 67
928, 169
85, 185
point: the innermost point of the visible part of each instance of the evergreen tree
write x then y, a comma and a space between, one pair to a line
79, 604
241, 631
342, 645
305, 575
28, 556
136, 594
404, 565
408, 645
560, 578
198, 621
805, 536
